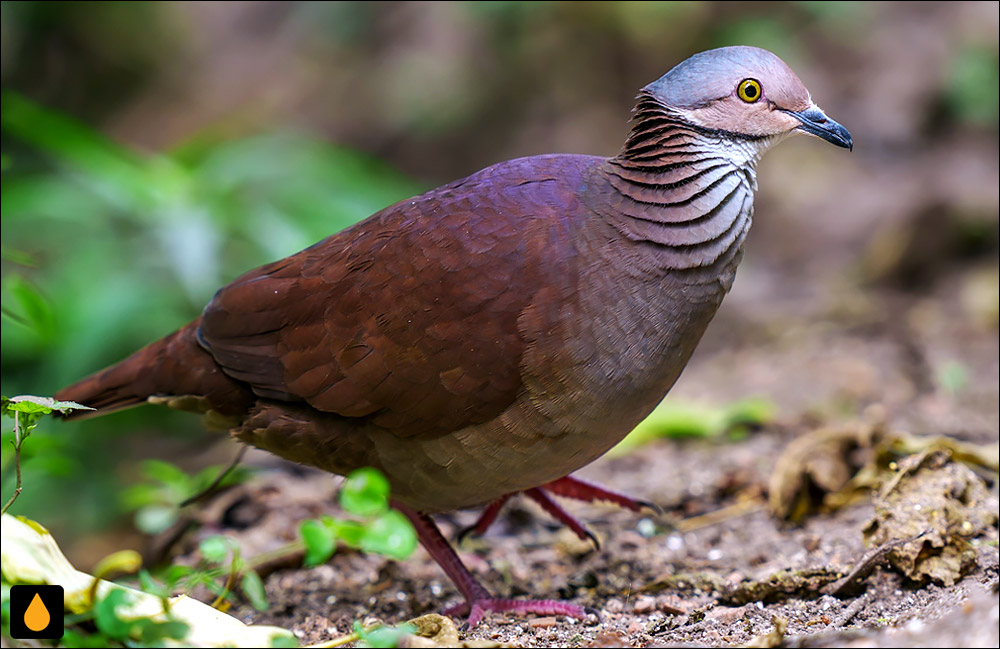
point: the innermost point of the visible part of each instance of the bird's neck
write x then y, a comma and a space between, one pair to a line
684, 189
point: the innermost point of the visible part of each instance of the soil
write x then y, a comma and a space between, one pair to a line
825, 358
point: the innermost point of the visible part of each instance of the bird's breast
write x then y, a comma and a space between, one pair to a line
599, 357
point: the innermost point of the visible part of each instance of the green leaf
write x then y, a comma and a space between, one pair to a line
153, 632
167, 473
253, 588
115, 173
150, 585
284, 642
215, 548
349, 532
76, 639
384, 636
972, 90
35, 311
204, 478
140, 495
952, 376
106, 614
319, 540
31, 404
391, 534
154, 519
677, 419
365, 493
176, 573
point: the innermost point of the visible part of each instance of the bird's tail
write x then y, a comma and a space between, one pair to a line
174, 371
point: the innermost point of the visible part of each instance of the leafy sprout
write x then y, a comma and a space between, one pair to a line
381, 529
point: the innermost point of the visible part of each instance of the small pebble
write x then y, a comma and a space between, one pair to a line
614, 606
645, 604
542, 622
673, 605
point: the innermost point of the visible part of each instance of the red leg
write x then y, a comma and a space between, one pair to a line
486, 518
570, 487
558, 513
477, 599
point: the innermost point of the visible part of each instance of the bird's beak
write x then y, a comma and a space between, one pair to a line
815, 122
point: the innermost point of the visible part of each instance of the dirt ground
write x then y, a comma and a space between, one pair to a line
823, 358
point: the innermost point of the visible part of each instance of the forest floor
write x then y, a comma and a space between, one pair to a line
716, 567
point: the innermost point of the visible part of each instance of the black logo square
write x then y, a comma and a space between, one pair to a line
36, 612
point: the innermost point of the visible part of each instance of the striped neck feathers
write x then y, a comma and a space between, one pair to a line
686, 189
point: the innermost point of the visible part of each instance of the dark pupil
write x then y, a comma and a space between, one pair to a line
750, 91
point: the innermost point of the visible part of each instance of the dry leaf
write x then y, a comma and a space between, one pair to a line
824, 469
946, 500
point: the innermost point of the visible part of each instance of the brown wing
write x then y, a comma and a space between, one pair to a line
409, 318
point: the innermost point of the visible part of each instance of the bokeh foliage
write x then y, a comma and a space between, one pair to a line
106, 249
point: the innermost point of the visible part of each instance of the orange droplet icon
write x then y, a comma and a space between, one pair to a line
37, 616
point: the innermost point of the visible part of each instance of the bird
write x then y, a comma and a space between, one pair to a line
493, 335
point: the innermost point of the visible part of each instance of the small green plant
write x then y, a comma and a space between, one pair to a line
382, 636
99, 613
26, 411
221, 568
382, 530
110, 628
678, 420
157, 503
375, 635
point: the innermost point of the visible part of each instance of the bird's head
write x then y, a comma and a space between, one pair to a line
747, 92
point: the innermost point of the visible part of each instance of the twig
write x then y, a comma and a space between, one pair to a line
735, 510
336, 642
17, 461
852, 609
848, 584
218, 479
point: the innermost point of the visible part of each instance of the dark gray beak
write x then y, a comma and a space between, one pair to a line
815, 122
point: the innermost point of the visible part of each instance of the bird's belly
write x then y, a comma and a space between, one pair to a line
587, 385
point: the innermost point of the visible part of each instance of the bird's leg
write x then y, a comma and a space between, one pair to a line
477, 599
486, 518
570, 487
567, 487
560, 514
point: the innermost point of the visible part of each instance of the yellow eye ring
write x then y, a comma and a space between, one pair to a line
749, 90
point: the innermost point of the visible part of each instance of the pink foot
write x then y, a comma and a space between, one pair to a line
478, 600
568, 487
480, 607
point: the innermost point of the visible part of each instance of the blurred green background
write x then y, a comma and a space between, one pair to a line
151, 152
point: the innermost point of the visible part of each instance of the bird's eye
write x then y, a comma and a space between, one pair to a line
749, 90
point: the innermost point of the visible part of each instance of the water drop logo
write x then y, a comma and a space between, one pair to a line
36, 612
37, 617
